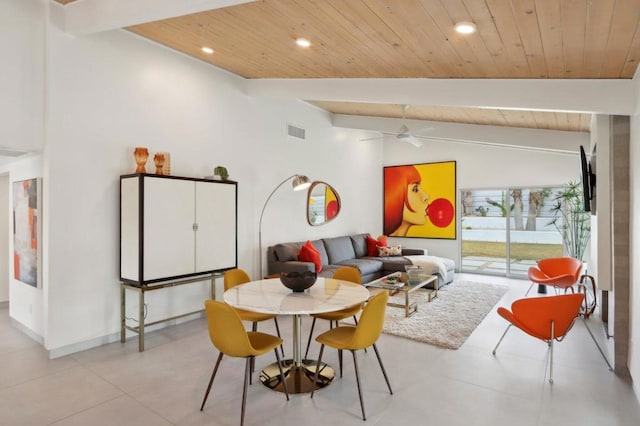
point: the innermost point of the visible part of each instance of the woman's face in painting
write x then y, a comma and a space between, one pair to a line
418, 200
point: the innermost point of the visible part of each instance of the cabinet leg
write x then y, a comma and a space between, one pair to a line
141, 321
123, 335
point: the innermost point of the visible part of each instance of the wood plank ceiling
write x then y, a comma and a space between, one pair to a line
516, 39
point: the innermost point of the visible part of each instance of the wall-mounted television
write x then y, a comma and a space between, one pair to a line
588, 178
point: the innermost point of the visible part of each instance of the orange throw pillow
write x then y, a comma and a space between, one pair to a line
308, 253
373, 244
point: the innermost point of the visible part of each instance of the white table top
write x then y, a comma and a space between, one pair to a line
270, 296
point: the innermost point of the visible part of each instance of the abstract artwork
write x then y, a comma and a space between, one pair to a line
26, 231
420, 200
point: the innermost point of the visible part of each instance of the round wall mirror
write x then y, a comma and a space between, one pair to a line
323, 203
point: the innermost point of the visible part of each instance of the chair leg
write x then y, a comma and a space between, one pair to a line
597, 345
252, 362
213, 375
278, 333
315, 379
500, 341
313, 324
355, 365
340, 361
284, 382
356, 321
254, 328
530, 287
551, 353
384, 373
247, 374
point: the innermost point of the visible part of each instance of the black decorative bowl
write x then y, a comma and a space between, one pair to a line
298, 281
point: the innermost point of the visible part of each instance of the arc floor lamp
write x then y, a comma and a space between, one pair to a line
299, 183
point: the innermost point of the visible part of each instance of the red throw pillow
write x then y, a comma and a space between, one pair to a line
372, 246
308, 253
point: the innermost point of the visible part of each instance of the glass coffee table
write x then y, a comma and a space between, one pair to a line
398, 283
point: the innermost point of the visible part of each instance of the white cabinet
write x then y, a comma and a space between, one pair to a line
173, 227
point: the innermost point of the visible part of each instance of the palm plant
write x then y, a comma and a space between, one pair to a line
571, 220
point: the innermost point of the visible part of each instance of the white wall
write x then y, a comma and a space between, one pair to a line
22, 74
482, 167
601, 247
22, 44
5, 235
113, 91
634, 250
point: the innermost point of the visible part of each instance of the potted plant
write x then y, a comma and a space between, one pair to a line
571, 220
221, 171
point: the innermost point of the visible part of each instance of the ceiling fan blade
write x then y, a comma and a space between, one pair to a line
410, 139
403, 129
372, 139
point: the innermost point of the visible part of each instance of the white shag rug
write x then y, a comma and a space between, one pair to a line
449, 319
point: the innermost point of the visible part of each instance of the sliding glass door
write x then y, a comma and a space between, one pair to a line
504, 231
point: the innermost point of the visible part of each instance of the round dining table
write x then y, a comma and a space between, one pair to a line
270, 296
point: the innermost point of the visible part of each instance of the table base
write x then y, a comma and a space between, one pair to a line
300, 379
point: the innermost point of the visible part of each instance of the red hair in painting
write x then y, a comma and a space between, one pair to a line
396, 181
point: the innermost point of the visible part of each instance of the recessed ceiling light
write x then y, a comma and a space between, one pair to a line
207, 50
303, 42
466, 27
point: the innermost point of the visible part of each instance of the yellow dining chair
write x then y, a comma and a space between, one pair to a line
346, 273
363, 335
229, 336
234, 277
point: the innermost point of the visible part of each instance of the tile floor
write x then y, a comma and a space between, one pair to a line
116, 385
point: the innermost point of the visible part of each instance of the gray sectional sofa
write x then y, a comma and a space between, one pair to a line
346, 251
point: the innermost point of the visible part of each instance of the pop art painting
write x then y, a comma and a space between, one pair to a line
420, 200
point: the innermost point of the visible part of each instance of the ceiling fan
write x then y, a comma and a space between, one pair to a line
403, 134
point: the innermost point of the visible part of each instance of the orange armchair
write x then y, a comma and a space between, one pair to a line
546, 318
559, 272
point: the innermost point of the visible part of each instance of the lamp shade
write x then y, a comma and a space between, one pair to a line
300, 182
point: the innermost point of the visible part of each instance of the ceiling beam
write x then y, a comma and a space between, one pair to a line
91, 16
562, 95
515, 137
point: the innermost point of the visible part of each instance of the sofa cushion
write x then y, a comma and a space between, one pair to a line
287, 252
365, 266
394, 263
339, 249
319, 245
308, 253
359, 243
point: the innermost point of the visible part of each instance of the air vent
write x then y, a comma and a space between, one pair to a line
296, 132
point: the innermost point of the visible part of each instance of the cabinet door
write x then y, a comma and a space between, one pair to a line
216, 219
169, 211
